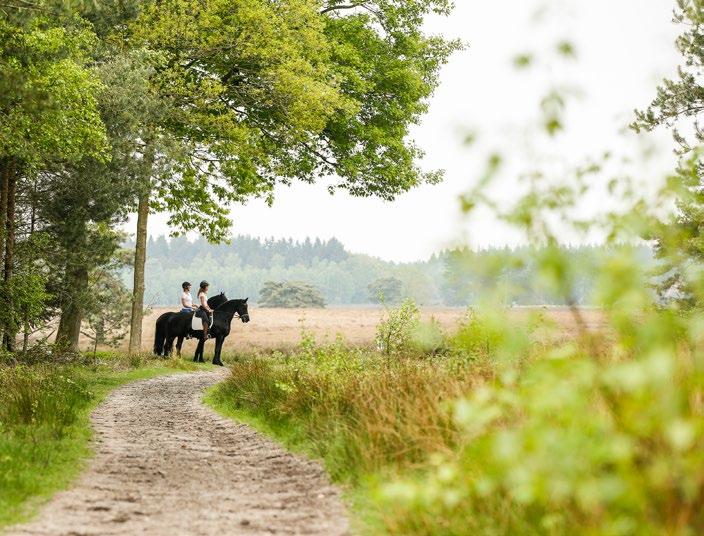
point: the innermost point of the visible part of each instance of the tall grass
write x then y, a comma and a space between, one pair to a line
361, 415
41, 398
366, 413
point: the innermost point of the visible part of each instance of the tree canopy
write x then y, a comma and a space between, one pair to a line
271, 92
185, 107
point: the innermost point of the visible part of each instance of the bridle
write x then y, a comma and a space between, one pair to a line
235, 314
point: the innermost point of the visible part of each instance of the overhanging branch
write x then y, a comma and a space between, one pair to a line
339, 7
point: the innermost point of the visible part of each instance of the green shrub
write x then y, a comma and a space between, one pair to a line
512, 431
428, 338
394, 334
476, 336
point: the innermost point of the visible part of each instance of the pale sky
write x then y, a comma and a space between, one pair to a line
624, 48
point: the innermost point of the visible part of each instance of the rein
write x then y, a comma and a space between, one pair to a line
235, 314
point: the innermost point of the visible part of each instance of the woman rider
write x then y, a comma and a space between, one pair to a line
205, 311
186, 298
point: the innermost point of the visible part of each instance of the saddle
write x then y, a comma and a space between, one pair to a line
197, 323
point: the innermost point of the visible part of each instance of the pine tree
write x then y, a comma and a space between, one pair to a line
677, 105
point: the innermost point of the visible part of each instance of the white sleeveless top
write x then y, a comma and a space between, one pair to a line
186, 299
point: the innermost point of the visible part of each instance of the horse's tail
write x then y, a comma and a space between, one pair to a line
160, 335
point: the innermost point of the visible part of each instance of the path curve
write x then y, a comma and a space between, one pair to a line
167, 465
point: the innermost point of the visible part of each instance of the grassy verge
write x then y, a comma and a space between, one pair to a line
369, 417
45, 427
498, 429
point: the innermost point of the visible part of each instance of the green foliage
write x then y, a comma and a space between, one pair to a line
48, 96
571, 443
477, 336
394, 334
29, 301
676, 105
429, 338
523, 61
389, 68
679, 246
548, 436
107, 310
292, 91
290, 295
679, 101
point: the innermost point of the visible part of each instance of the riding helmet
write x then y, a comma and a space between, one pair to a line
185, 285
204, 284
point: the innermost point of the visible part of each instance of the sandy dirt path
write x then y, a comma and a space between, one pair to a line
167, 465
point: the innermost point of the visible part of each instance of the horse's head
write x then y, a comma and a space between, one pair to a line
243, 311
235, 307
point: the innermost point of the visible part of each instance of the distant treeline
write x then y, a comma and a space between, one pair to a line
453, 277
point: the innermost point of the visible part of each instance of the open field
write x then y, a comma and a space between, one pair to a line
281, 328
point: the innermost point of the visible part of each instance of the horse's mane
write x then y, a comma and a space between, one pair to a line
213, 301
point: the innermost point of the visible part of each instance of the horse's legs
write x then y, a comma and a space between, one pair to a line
218, 349
201, 357
179, 344
169, 346
198, 358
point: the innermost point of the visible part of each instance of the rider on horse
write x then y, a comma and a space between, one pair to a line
186, 298
204, 312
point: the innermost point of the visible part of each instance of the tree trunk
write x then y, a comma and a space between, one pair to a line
10, 328
140, 258
140, 248
33, 211
25, 335
72, 313
5, 172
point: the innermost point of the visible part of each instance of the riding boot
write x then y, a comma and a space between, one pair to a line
205, 330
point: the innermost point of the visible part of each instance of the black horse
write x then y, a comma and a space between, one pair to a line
172, 325
220, 329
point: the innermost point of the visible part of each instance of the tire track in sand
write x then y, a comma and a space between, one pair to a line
167, 465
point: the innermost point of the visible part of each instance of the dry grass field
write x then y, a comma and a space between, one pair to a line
281, 328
